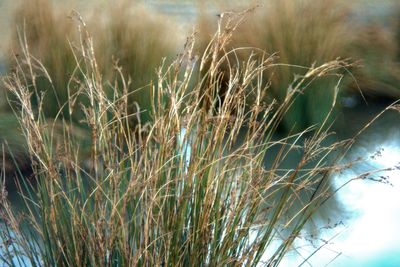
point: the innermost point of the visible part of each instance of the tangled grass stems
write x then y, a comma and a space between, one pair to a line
189, 187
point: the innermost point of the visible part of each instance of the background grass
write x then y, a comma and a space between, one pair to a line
130, 41
304, 33
135, 38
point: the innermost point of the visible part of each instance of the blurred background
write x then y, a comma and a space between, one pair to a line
138, 36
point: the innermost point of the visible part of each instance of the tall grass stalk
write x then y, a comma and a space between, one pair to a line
189, 188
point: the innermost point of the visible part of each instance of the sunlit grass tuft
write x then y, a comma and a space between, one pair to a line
188, 188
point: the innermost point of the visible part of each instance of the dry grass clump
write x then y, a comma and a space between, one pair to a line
129, 41
189, 188
302, 34
124, 32
379, 76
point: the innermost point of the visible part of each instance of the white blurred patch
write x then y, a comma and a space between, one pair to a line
371, 235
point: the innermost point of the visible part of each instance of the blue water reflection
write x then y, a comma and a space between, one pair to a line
368, 233
371, 236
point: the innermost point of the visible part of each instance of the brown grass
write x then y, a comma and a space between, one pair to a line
189, 188
128, 37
